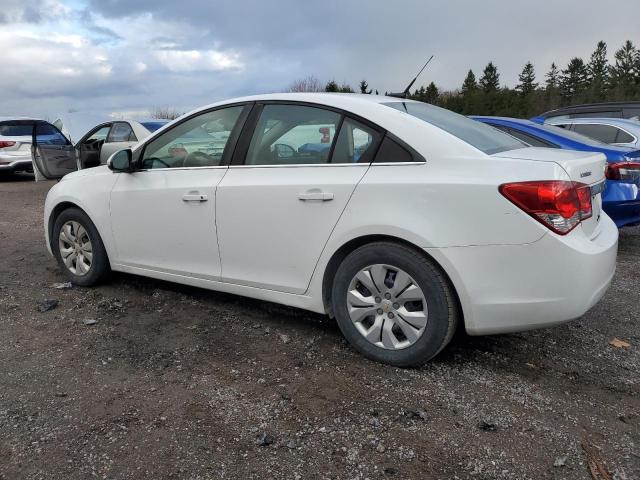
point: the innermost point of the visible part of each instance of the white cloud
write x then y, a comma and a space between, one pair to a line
197, 60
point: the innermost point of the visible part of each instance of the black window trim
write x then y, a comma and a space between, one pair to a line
229, 148
242, 147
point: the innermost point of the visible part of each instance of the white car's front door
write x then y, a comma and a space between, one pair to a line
163, 215
275, 212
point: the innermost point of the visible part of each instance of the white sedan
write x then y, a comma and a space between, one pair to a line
402, 220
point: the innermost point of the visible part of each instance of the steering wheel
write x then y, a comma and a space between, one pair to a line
282, 150
198, 159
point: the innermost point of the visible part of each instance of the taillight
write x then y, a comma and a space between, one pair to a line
623, 171
560, 205
6, 143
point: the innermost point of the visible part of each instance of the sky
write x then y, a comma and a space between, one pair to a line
123, 58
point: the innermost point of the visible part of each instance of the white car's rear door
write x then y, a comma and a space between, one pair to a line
276, 210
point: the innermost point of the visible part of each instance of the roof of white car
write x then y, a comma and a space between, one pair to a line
338, 100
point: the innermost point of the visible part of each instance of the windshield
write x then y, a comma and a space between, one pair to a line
483, 137
153, 126
576, 137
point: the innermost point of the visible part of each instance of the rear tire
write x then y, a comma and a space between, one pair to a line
78, 248
393, 304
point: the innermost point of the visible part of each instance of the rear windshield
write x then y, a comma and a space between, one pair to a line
483, 137
153, 126
15, 130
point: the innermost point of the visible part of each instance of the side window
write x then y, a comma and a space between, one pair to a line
197, 142
98, 135
603, 133
530, 139
292, 135
391, 151
47, 134
356, 143
624, 137
121, 132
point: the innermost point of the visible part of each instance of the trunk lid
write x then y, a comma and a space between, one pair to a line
582, 167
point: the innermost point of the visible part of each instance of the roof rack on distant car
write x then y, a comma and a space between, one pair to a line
600, 110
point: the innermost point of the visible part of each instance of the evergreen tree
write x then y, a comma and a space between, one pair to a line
344, 88
332, 86
364, 86
624, 73
574, 79
490, 80
598, 70
527, 80
431, 93
470, 84
553, 77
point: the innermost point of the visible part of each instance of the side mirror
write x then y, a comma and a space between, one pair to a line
120, 161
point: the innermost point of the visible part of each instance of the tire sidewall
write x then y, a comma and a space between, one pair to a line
99, 262
429, 279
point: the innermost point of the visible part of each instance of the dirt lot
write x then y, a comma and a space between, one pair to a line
177, 382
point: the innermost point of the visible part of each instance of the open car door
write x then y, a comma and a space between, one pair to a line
52, 153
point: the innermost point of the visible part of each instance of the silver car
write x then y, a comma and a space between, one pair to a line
94, 148
613, 131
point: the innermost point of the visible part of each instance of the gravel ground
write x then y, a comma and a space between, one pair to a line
145, 379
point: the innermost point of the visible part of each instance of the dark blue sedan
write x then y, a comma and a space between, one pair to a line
621, 196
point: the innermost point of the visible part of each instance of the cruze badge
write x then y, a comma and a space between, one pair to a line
585, 174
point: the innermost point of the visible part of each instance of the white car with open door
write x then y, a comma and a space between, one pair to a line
93, 149
400, 219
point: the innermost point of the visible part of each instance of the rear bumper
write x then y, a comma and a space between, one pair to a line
15, 163
510, 288
621, 201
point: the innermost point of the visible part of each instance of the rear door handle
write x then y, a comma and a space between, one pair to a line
316, 195
194, 197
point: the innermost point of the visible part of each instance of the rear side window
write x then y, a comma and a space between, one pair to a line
121, 132
356, 143
15, 130
392, 152
603, 133
477, 134
624, 137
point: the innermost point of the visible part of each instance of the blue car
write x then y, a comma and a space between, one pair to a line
621, 196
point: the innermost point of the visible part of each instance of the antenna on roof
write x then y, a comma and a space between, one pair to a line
407, 90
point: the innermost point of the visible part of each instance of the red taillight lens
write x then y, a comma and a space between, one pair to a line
558, 204
6, 143
623, 171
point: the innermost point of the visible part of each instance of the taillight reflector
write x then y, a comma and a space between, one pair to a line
6, 143
559, 205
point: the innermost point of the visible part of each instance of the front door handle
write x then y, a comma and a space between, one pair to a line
316, 195
194, 197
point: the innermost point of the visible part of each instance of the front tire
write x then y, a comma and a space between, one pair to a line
79, 249
393, 304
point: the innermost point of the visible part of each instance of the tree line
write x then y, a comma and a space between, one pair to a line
594, 80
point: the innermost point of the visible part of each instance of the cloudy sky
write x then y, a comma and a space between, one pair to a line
122, 57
